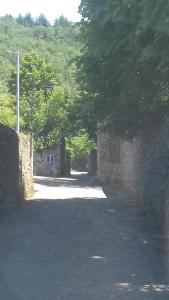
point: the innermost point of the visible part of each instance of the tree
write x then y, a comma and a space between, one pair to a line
80, 145
58, 114
7, 104
124, 62
19, 19
34, 75
42, 21
49, 115
56, 44
59, 123
63, 21
26, 20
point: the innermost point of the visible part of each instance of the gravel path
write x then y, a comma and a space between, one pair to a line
73, 242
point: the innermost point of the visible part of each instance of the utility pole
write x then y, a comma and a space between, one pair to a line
17, 88
17, 92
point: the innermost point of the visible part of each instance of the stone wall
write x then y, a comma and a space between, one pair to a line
78, 164
108, 157
40, 165
92, 163
140, 165
130, 162
26, 171
153, 176
16, 180
10, 183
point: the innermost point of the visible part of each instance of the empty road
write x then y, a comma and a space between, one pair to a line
73, 241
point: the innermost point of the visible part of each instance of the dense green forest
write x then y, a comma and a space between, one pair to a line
47, 56
112, 68
56, 44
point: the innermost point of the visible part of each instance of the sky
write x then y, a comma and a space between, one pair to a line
52, 9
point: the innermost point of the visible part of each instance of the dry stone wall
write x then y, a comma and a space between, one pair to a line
42, 167
130, 163
108, 158
10, 184
16, 178
78, 164
154, 171
92, 162
26, 163
140, 165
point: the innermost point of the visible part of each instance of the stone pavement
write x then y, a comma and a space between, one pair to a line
72, 241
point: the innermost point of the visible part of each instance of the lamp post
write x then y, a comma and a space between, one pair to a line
17, 92
17, 88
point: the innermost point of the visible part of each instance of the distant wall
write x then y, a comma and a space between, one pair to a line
78, 164
40, 165
92, 162
140, 165
10, 183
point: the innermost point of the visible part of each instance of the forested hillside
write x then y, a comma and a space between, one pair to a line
47, 58
56, 44
120, 76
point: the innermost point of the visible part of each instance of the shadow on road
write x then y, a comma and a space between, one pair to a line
76, 180
86, 248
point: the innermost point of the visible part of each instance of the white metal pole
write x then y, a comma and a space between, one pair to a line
17, 91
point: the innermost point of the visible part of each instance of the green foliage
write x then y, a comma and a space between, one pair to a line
56, 115
27, 20
57, 119
125, 62
80, 145
34, 74
51, 115
62, 21
7, 111
42, 21
61, 118
56, 44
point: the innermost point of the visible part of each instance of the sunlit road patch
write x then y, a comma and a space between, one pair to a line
61, 191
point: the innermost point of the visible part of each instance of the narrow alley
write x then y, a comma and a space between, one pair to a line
73, 241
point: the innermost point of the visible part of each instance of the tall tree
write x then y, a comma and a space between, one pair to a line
42, 21
35, 74
63, 21
124, 63
7, 106
26, 20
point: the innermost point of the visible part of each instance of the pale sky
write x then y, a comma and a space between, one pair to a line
50, 8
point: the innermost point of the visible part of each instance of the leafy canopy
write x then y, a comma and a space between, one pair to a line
7, 106
34, 75
52, 116
80, 145
125, 62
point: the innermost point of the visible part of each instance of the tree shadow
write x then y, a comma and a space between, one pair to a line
80, 248
77, 180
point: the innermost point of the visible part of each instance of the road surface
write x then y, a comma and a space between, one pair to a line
72, 241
